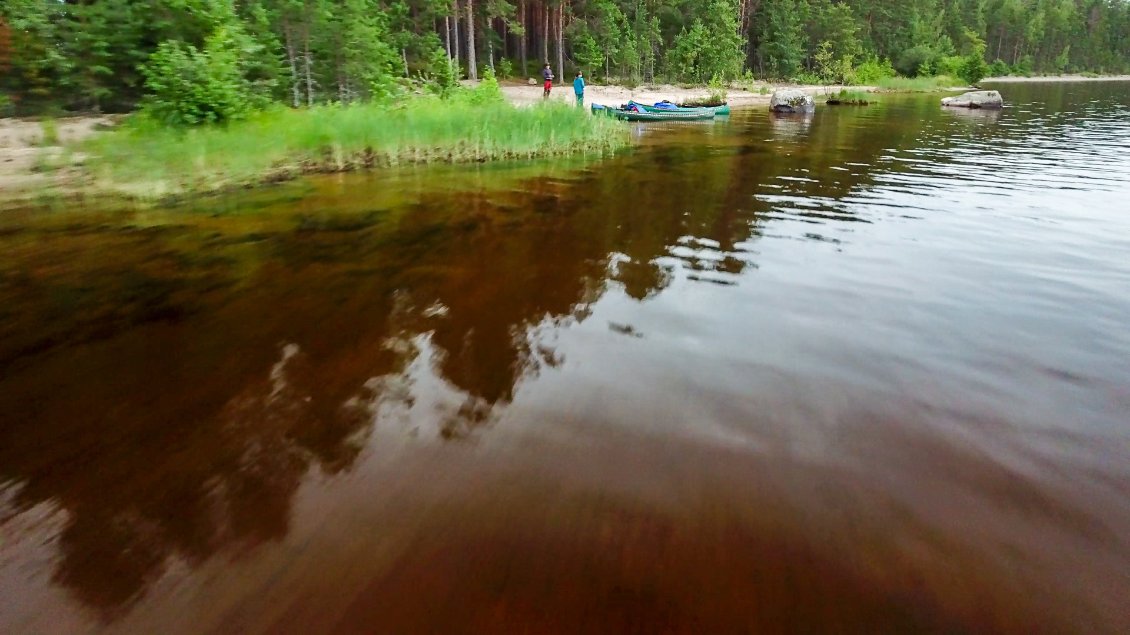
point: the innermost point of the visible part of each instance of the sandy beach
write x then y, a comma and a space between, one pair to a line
524, 94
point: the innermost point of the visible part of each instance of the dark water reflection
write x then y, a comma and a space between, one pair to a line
866, 371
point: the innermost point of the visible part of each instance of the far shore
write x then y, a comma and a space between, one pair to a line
23, 152
1056, 78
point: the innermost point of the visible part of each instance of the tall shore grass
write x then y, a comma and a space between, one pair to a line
145, 159
918, 84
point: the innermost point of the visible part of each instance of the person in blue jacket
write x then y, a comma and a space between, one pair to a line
579, 88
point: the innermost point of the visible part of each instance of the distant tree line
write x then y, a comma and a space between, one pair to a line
216, 59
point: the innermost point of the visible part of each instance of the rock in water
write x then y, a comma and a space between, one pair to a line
791, 100
975, 99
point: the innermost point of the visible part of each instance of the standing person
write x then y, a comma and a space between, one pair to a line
579, 88
547, 75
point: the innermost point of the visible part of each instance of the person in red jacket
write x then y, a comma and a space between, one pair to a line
547, 75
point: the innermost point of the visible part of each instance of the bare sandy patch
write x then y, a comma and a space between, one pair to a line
30, 165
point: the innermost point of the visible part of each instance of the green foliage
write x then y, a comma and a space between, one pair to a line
50, 132
917, 60
147, 159
1062, 60
850, 98
823, 60
1023, 67
999, 69
949, 65
973, 66
442, 71
873, 70
487, 92
917, 84
782, 38
190, 86
805, 77
832, 69
106, 55
505, 68
718, 93
710, 48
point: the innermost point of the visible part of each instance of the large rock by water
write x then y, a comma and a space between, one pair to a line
791, 100
975, 99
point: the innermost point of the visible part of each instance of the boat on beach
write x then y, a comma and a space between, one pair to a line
667, 106
630, 113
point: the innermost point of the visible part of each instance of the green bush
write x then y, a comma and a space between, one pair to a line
189, 86
999, 69
973, 68
718, 92
1024, 66
50, 129
873, 70
442, 72
505, 68
915, 61
949, 65
805, 77
708, 48
487, 92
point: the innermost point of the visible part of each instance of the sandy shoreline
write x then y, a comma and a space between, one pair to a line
521, 94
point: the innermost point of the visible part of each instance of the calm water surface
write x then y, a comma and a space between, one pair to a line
863, 372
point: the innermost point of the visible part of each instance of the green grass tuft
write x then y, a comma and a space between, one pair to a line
850, 98
50, 129
149, 160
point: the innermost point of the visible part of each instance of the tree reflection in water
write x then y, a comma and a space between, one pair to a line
168, 390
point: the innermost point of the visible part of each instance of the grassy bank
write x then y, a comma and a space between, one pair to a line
148, 160
918, 84
848, 97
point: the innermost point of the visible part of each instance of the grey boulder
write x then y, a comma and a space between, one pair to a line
975, 99
791, 100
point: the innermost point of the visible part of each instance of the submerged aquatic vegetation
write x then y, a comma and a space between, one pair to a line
147, 159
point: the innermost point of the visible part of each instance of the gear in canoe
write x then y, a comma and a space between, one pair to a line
634, 112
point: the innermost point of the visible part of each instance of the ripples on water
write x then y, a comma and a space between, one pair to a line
866, 371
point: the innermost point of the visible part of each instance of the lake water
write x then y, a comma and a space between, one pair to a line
867, 371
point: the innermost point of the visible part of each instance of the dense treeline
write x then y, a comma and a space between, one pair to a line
214, 59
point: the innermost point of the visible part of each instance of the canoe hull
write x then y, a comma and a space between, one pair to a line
630, 115
722, 110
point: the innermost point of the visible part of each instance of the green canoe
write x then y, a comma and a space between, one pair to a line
724, 109
631, 115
